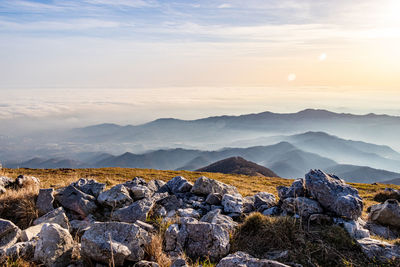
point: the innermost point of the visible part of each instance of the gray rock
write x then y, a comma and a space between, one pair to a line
248, 204
380, 250
232, 203
148, 227
334, 194
188, 212
125, 240
9, 233
89, 186
243, 259
136, 211
157, 186
320, 219
75, 200
45, 200
179, 262
214, 199
355, 228
201, 239
170, 203
264, 198
78, 227
301, 206
179, 184
137, 181
271, 211
170, 238
57, 216
55, 246
380, 230
140, 191
205, 186
116, 197
5, 181
387, 213
297, 189
215, 217
24, 250
23, 181
31, 232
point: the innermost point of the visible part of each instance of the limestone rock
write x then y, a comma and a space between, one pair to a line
297, 189
136, 211
89, 186
188, 212
5, 181
23, 181
146, 264
9, 233
387, 213
57, 216
45, 200
243, 259
125, 240
355, 228
232, 203
334, 194
301, 206
205, 186
377, 249
214, 199
215, 217
75, 200
179, 184
157, 186
24, 250
31, 232
55, 246
264, 198
380, 230
116, 197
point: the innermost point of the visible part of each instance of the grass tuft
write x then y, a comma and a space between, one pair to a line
383, 195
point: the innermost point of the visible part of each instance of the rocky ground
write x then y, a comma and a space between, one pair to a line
177, 223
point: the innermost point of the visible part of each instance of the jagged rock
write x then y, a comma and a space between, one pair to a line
75, 200
216, 217
89, 186
57, 216
55, 246
334, 194
179, 184
297, 189
232, 203
140, 191
387, 213
189, 212
380, 230
146, 264
78, 227
125, 240
5, 182
157, 186
23, 181
205, 186
377, 249
248, 204
137, 181
355, 228
169, 203
136, 211
24, 250
301, 206
170, 238
179, 262
45, 200
116, 197
243, 259
9, 233
271, 211
201, 239
214, 199
264, 199
320, 219
31, 232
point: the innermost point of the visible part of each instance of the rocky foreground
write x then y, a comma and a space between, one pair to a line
85, 225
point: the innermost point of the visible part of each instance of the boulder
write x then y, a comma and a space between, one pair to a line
204, 186
380, 250
264, 199
243, 259
116, 197
179, 184
136, 211
170, 238
9, 233
23, 181
157, 186
188, 212
232, 203
137, 181
24, 250
57, 216
55, 246
179, 262
45, 200
5, 182
382, 231
125, 241
387, 213
89, 186
140, 191
146, 264
271, 211
31, 232
301, 206
334, 194
201, 239
78, 227
214, 199
75, 200
215, 217
248, 204
355, 228
297, 189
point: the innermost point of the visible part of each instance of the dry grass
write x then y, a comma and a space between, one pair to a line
155, 253
19, 206
18, 263
328, 245
382, 196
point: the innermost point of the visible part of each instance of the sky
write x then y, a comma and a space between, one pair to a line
131, 61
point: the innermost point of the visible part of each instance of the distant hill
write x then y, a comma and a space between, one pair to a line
393, 181
361, 174
238, 165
